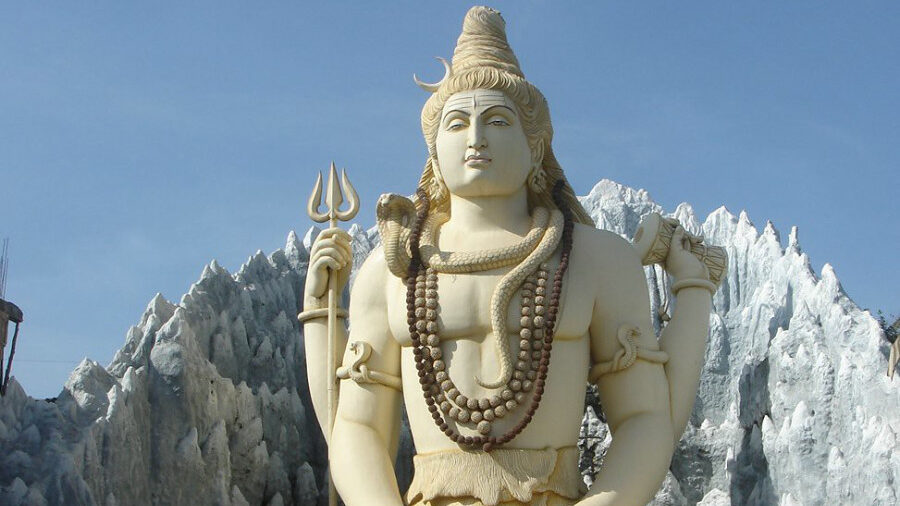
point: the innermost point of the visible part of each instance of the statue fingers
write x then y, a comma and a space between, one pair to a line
317, 244
334, 247
335, 232
680, 238
326, 259
338, 235
327, 262
345, 242
317, 277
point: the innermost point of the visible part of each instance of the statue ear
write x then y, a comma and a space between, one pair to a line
537, 153
438, 188
436, 170
537, 178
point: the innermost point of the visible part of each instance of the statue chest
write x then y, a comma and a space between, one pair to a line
464, 309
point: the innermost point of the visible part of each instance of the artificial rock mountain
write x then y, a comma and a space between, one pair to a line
206, 402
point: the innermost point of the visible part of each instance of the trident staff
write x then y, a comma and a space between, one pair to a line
333, 200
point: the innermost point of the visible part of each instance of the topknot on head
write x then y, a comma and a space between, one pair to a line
482, 46
483, 43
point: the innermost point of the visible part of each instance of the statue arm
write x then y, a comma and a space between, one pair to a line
368, 418
684, 338
331, 254
631, 382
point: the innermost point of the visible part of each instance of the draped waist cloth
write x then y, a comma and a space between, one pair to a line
504, 477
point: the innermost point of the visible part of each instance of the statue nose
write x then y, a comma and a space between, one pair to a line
476, 136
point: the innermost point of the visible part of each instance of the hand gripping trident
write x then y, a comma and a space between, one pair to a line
333, 199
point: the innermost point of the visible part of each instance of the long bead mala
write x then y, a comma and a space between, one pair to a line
483, 411
438, 389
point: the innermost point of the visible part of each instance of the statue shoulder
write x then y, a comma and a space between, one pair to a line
603, 245
372, 277
611, 266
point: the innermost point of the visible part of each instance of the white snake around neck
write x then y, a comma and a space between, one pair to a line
395, 215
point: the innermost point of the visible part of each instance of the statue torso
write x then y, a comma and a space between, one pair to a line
465, 331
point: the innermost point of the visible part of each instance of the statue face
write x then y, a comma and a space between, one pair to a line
482, 149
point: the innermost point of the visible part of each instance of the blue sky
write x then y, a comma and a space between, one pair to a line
139, 142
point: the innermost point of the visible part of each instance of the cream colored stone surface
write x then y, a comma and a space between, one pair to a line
491, 168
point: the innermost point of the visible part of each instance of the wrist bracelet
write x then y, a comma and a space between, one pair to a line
312, 314
694, 283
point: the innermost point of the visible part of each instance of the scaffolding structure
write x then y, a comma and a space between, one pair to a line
9, 312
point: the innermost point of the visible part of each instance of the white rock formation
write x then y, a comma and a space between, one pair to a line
204, 404
794, 405
206, 401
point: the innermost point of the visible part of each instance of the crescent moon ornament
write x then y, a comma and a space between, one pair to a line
433, 87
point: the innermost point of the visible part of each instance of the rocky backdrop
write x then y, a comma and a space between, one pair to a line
206, 401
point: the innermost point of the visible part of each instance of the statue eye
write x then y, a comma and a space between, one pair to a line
455, 124
498, 121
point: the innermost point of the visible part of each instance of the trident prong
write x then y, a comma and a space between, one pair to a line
333, 199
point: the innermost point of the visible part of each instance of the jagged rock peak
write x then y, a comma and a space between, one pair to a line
310, 237
297, 254
259, 256
208, 272
688, 218
830, 279
158, 306
218, 269
719, 224
257, 265
611, 189
771, 231
618, 208
794, 240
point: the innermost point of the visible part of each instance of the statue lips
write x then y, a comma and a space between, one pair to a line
477, 161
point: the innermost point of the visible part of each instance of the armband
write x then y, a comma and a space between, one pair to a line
630, 352
694, 283
359, 372
312, 314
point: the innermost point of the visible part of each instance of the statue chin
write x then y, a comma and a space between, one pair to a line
479, 186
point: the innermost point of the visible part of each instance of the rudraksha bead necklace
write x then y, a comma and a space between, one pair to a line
537, 328
482, 411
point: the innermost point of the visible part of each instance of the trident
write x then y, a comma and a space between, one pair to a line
333, 199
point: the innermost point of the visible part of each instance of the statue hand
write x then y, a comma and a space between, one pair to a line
331, 254
680, 262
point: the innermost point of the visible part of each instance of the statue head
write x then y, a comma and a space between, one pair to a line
483, 60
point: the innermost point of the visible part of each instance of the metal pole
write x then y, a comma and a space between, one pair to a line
12, 351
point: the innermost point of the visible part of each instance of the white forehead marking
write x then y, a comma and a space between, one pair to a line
476, 98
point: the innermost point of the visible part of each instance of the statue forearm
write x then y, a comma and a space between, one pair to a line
366, 472
684, 339
315, 337
635, 463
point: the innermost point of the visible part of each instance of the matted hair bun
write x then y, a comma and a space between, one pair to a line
483, 43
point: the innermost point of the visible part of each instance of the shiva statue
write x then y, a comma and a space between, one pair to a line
489, 305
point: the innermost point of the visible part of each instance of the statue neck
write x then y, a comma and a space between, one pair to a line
507, 213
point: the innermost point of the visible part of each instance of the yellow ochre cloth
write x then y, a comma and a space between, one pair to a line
503, 477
